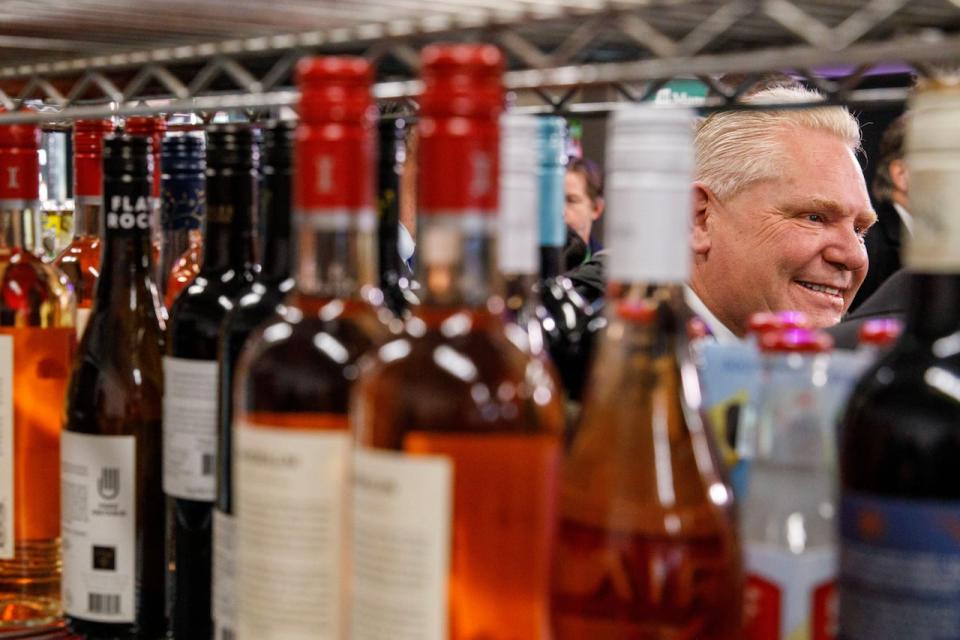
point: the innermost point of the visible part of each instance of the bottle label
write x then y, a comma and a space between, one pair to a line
34, 370
402, 509
98, 482
517, 245
183, 202
7, 461
648, 234
128, 213
224, 576
190, 428
500, 490
20, 175
790, 596
900, 569
291, 491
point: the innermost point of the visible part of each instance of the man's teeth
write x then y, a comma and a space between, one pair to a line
821, 288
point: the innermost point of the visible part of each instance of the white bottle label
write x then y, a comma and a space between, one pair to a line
7, 505
83, 315
517, 242
402, 507
790, 596
190, 428
224, 576
98, 521
291, 488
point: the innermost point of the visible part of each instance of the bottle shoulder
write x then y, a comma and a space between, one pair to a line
34, 292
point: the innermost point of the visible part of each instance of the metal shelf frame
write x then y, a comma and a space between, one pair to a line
552, 48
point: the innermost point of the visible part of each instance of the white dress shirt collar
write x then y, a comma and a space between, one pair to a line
720, 332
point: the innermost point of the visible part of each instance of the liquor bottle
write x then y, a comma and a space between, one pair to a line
291, 438
80, 260
153, 127
551, 170
787, 519
113, 513
191, 373
394, 273
37, 339
253, 306
185, 268
182, 208
458, 431
899, 454
647, 547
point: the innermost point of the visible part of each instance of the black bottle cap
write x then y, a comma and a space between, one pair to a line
180, 154
126, 155
277, 145
231, 146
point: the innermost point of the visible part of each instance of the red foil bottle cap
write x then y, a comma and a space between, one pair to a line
88, 156
880, 332
764, 321
152, 127
459, 133
795, 341
334, 140
19, 162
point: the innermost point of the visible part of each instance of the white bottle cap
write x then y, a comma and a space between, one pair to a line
518, 242
933, 157
650, 166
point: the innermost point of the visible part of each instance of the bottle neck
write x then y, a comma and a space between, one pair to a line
230, 236
934, 310
455, 263
276, 252
336, 254
87, 214
125, 263
20, 225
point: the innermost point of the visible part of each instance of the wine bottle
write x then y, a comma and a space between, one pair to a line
191, 373
647, 546
294, 378
113, 511
37, 339
182, 205
899, 457
458, 431
394, 274
80, 260
153, 127
254, 305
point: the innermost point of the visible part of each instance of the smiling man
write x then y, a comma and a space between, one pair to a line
780, 213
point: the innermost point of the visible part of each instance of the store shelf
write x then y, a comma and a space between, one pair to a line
206, 55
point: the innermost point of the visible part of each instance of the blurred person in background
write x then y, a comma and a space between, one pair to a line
780, 212
583, 255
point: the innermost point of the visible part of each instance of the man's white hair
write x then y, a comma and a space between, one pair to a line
738, 148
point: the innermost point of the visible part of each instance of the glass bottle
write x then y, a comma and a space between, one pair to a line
191, 373
291, 443
253, 306
182, 209
37, 340
788, 515
458, 431
113, 511
647, 546
153, 127
900, 437
394, 273
80, 260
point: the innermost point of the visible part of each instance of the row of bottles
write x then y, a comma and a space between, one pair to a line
274, 448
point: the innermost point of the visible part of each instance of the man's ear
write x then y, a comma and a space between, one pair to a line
703, 210
899, 176
598, 205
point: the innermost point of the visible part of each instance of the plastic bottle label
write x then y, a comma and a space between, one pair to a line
190, 428
790, 596
224, 576
7, 504
98, 514
291, 496
401, 545
900, 569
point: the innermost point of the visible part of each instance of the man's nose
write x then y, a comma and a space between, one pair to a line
846, 250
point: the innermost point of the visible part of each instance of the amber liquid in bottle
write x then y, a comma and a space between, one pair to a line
647, 550
37, 339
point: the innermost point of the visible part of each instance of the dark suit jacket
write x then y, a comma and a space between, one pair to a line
883, 249
889, 301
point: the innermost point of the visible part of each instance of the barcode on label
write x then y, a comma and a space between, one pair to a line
207, 464
104, 603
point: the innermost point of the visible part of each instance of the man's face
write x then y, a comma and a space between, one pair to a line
580, 211
793, 243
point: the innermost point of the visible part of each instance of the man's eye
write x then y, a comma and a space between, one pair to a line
815, 217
